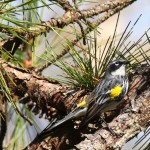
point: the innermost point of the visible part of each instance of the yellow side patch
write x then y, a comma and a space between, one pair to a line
116, 91
81, 104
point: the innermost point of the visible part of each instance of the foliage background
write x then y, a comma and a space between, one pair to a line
46, 46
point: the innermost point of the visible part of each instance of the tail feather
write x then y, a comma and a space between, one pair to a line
78, 112
58, 123
74, 114
49, 129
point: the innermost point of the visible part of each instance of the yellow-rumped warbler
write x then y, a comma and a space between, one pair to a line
106, 96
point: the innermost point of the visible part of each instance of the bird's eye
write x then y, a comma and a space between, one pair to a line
117, 63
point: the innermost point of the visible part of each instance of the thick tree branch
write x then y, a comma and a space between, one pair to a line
126, 125
46, 94
38, 90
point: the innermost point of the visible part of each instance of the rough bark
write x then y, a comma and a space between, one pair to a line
46, 94
70, 16
37, 91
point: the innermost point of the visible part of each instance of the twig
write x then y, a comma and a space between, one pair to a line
67, 18
23, 116
93, 25
65, 4
71, 15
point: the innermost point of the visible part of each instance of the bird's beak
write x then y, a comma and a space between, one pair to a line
126, 62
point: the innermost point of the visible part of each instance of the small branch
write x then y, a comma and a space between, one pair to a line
65, 4
82, 32
23, 116
93, 25
68, 17
71, 15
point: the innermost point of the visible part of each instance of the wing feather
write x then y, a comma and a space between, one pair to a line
98, 97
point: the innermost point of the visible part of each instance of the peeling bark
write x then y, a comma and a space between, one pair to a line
41, 94
45, 94
125, 124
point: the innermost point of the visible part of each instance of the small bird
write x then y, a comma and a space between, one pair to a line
105, 97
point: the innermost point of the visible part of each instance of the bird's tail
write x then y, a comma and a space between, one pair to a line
54, 124
58, 123
50, 128
77, 112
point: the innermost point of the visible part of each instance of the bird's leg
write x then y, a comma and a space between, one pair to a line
106, 125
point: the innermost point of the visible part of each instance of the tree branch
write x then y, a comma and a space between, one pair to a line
71, 15
46, 94
65, 4
92, 26
126, 125
68, 17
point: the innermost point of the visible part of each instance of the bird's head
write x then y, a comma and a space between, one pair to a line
117, 67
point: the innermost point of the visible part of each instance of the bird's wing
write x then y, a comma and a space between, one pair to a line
100, 96
91, 107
